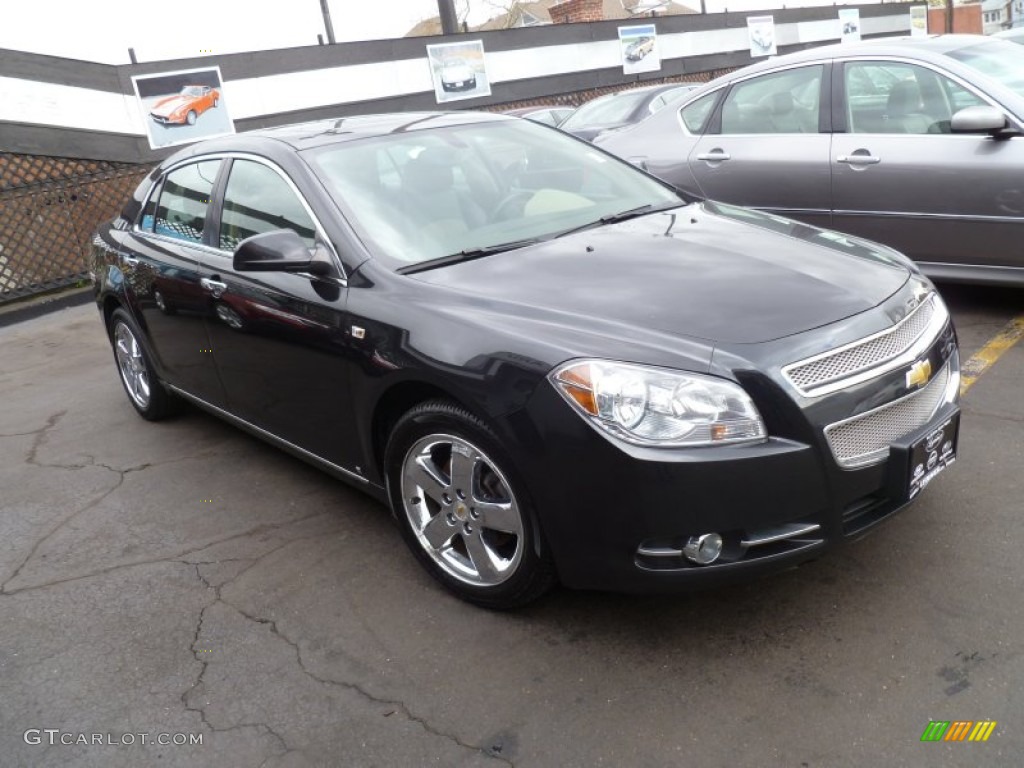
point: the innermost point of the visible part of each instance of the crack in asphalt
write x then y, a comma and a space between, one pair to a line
400, 706
175, 557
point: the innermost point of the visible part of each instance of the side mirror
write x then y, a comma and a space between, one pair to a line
278, 251
978, 120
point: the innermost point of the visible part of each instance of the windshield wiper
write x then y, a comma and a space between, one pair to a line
467, 255
615, 218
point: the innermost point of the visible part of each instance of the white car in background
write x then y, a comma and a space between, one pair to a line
457, 75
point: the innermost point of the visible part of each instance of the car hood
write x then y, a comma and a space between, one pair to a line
705, 271
170, 104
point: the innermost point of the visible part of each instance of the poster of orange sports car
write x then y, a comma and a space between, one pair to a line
184, 106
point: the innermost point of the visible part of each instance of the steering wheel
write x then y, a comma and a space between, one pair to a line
512, 205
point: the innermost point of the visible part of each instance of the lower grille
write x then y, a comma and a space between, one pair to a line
865, 439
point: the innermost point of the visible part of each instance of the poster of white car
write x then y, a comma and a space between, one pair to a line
458, 71
761, 30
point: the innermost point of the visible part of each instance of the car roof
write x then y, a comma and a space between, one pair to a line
317, 133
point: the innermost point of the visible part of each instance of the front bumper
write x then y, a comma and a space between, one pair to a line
616, 516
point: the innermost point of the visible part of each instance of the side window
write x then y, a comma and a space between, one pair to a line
695, 116
184, 199
781, 102
257, 200
893, 97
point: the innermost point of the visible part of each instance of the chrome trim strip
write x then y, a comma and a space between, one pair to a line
659, 552
792, 531
931, 216
269, 436
920, 344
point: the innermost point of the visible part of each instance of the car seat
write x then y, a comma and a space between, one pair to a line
904, 111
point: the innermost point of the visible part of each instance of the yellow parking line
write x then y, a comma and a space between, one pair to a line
992, 351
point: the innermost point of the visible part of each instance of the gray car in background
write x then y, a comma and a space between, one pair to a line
916, 143
623, 108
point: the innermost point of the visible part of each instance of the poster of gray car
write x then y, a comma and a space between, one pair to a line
183, 106
639, 49
458, 71
761, 30
849, 25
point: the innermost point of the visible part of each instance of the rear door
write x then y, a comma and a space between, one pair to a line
162, 271
901, 177
767, 145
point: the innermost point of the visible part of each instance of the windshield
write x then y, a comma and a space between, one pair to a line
192, 90
421, 195
606, 110
999, 60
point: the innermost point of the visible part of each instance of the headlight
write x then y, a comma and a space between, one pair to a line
654, 406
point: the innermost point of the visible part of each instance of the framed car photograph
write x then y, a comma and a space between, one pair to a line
639, 46
761, 31
183, 106
458, 71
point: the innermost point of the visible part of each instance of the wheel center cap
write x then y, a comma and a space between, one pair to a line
461, 512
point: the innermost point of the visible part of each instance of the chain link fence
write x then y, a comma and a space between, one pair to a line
49, 209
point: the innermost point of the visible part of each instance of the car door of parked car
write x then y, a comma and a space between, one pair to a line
162, 270
767, 145
901, 177
280, 339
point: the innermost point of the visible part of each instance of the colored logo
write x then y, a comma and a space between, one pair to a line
919, 374
958, 730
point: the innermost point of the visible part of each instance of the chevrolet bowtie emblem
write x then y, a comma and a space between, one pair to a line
919, 374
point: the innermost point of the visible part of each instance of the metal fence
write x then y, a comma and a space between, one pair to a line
49, 209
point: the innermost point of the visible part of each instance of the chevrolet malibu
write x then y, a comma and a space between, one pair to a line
549, 364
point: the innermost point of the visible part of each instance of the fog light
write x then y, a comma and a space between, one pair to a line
703, 550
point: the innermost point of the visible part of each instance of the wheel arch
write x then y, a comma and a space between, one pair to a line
401, 397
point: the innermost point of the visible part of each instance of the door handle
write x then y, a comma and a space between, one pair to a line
859, 159
714, 156
216, 287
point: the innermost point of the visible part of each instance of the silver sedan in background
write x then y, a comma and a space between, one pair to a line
917, 143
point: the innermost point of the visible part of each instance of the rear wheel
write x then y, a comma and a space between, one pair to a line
190, 118
462, 511
145, 392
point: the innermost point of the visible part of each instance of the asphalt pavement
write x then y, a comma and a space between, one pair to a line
183, 582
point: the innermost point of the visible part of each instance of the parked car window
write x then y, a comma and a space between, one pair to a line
257, 200
668, 97
695, 115
781, 102
895, 97
606, 110
184, 199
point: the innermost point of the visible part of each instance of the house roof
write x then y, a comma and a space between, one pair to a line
613, 10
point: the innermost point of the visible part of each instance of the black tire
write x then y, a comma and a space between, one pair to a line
145, 392
190, 118
519, 568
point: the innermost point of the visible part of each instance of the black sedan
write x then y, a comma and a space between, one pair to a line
550, 365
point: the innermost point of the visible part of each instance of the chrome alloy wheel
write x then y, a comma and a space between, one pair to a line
132, 365
462, 510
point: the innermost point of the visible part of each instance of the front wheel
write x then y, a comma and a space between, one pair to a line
462, 511
144, 390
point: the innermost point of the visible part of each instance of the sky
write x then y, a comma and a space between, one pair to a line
104, 30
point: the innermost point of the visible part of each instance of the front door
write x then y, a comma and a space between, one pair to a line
280, 340
901, 177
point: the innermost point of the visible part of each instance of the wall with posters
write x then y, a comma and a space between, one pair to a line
53, 106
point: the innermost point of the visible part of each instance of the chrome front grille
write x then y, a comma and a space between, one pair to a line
865, 439
815, 375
